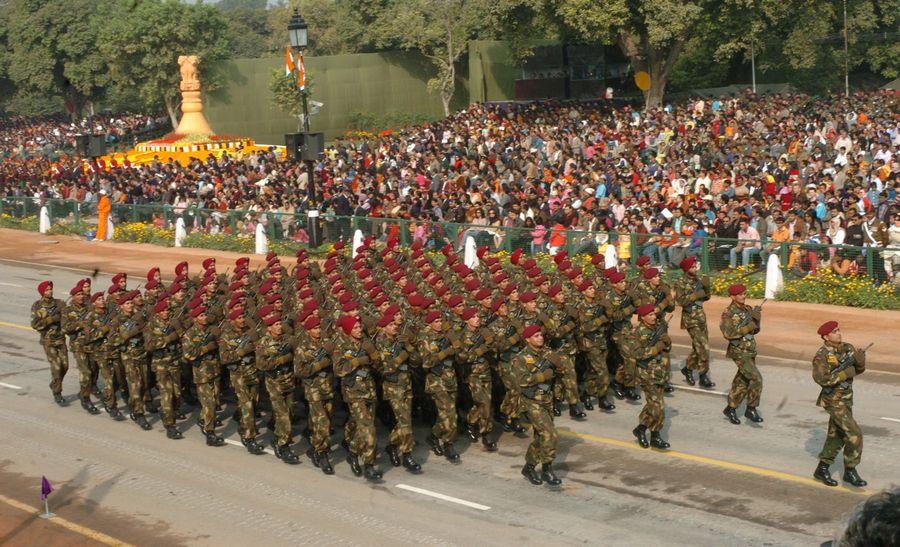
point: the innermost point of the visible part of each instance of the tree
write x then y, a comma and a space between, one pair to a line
51, 50
438, 29
286, 96
651, 33
142, 40
248, 27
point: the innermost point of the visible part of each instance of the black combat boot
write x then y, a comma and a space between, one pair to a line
253, 446
588, 404
173, 433
576, 412
688, 376
705, 382
731, 414
435, 445
518, 429
472, 432
214, 440
115, 414
556, 411
657, 441
286, 454
752, 415
530, 473
394, 455
325, 463
141, 421
89, 406
852, 477
606, 405
632, 395
823, 473
549, 476
450, 453
372, 474
618, 389
58, 398
354, 464
640, 433
488, 444
668, 388
410, 464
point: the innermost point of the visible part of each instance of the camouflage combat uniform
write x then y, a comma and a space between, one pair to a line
834, 368
130, 339
73, 325
200, 349
353, 367
162, 343
236, 353
739, 324
46, 318
396, 385
690, 293
313, 361
535, 377
274, 358
651, 350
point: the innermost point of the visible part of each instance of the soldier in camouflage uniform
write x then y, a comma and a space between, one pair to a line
534, 366
592, 326
562, 342
834, 367
619, 308
275, 359
508, 339
651, 347
353, 365
739, 324
393, 352
437, 351
236, 353
652, 290
129, 337
97, 349
313, 365
691, 291
73, 325
46, 318
199, 347
476, 346
162, 343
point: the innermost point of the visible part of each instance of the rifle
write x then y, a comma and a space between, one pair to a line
661, 329
844, 363
749, 314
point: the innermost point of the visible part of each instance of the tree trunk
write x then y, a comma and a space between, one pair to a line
653, 97
173, 114
657, 63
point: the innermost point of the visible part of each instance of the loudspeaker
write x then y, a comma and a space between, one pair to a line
82, 142
292, 144
313, 146
90, 146
97, 146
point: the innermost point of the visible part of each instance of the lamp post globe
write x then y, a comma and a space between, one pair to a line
298, 31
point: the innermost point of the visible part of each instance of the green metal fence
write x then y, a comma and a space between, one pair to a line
714, 254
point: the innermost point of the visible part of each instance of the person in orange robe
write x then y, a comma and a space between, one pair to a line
103, 209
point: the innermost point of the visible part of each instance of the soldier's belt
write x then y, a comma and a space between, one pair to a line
532, 391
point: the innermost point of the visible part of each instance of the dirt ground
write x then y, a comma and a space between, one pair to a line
788, 328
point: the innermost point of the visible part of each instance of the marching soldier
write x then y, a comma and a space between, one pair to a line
129, 337
563, 344
476, 343
394, 351
275, 359
651, 346
161, 342
73, 325
313, 364
619, 308
739, 324
535, 376
592, 343
46, 318
199, 347
691, 291
236, 352
97, 347
354, 369
652, 290
834, 367
437, 351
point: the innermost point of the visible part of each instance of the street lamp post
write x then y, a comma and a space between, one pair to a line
298, 34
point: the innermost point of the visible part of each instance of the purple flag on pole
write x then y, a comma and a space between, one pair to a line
45, 488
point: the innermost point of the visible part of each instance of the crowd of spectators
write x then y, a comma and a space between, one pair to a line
744, 173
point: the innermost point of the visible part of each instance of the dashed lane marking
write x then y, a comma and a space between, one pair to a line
15, 326
714, 462
699, 390
443, 497
89, 533
238, 443
10, 285
10, 386
891, 419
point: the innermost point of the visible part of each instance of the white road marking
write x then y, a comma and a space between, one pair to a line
699, 390
10, 386
45, 265
444, 497
891, 419
11, 285
238, 443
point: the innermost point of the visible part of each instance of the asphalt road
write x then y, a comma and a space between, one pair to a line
719, 485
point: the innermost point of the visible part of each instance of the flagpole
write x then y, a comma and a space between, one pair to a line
47, 514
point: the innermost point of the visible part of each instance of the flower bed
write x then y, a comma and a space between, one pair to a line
138, 232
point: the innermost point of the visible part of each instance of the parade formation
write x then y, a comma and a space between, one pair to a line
403, 334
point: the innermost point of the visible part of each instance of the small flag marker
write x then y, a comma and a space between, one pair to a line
46, 488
